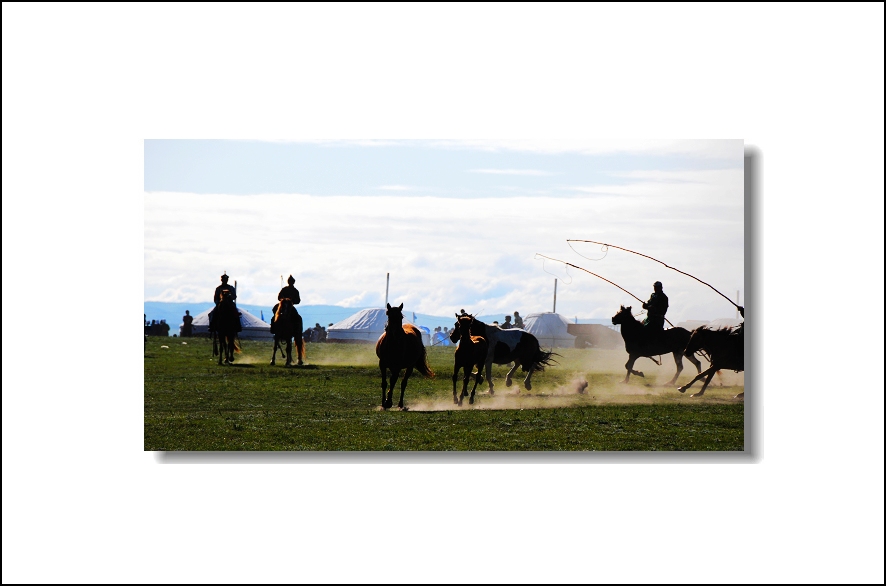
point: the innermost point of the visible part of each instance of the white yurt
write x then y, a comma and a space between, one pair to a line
724, 322
253, 327
365, 326
550, 329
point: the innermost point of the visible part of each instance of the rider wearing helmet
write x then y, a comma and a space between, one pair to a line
656, 308
288, 292
223, 288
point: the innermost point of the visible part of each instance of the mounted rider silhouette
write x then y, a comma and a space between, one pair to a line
656, 308
288, 292
230, 292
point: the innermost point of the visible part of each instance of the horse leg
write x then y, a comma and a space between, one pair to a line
694, 360
629, 365
455, 378
221, 350
395, 374
700, 376
464, 386
403, 388
511, 372
489, 375
274, 354
477, 380
384, 386
288, 351
705, 385
679, 360
527, 382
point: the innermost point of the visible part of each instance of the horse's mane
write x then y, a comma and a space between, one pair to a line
280, 308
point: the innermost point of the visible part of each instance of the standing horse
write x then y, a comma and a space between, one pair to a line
471, 352
398, 348
288, 325
725, 346
513, 345
638, 344
226, 324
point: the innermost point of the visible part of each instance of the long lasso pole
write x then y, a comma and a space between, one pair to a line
599, 277
660, 262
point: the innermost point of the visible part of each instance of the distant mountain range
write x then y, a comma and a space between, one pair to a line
324, 315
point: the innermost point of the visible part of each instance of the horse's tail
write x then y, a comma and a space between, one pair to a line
214, 344
422, 363
543, 358
300, 347
237, 345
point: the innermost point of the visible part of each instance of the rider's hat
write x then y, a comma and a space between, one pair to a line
224, 277
290, 280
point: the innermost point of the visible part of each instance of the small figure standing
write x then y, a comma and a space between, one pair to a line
187, 326
507, 325
518, 321
656, 308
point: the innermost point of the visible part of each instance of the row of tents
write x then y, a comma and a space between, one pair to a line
552, 329
367, 325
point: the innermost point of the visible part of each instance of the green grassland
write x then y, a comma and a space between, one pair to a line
333, 404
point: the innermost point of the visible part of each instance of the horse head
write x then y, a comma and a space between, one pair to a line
395, 316
623, 316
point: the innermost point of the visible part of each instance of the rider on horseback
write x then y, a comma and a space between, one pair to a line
228, 291
288, 292
656, 308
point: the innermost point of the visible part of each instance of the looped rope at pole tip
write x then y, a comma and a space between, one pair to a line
604, 249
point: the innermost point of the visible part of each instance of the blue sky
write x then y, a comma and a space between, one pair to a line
457, 224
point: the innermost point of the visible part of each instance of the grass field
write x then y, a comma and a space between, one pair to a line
333, 404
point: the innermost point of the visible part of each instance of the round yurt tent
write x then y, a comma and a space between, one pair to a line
364, 327
550, 329
253, 327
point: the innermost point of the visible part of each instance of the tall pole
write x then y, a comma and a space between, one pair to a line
387, 286
555, 295
737, 302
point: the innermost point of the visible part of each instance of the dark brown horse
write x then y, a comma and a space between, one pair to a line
225, 324
725, 346
470, 352
638, 344
288, 326
399, 348
513, 345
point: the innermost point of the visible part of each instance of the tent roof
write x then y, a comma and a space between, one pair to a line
367, 320
549, 328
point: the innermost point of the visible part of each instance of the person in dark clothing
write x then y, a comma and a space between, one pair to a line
507, 325
229, 290
187, 326
656, 308
287, 292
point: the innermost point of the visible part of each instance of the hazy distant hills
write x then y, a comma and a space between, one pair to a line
311, 314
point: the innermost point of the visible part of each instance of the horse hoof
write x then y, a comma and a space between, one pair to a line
528, 386
508, 382
681, 389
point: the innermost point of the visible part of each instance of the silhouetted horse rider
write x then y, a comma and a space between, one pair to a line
231, 294
656, 308
288, 292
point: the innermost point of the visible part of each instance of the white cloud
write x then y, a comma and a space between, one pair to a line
532, 172
442, 255
396, 187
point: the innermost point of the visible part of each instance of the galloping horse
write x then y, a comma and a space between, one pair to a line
638, 345
725, 346
513, 345
471, 352
226, 323
288, 325
398, 348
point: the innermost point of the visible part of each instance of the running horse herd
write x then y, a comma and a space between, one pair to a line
400, 350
